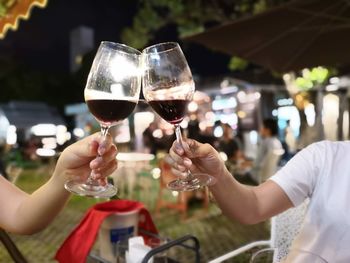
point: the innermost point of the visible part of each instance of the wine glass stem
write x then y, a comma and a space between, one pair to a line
180, 141
104, 132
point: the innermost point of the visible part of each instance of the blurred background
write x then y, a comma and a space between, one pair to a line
252, 60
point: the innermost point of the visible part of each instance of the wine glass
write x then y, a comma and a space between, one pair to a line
111, 94
168, 87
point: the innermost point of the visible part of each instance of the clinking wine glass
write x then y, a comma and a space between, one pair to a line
168, 87
111, 94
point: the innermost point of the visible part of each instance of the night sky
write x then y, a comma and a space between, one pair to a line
42, 42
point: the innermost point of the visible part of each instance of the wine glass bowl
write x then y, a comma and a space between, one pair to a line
168, 87
111, 94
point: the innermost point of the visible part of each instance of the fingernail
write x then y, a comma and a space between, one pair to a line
96, 162
101, 149
185, 146
187, 162
179, 148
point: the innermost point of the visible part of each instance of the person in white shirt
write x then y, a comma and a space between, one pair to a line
320, 172
269, 152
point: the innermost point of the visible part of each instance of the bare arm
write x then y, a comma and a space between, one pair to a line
26, 214
244, 203
249, 205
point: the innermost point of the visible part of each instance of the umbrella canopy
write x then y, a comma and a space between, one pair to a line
299, 34
16, 10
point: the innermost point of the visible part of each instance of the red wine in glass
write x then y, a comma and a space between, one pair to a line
168, 87
172, 111
111, 94
110, 111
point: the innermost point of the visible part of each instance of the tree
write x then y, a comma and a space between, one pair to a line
189, 17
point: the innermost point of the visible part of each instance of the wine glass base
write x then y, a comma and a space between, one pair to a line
199, 180
90, 190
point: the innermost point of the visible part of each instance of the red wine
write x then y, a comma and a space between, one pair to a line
172, 111
110, 111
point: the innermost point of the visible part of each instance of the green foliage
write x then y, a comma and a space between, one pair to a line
312, 77
189, 17
237, 63
5, 5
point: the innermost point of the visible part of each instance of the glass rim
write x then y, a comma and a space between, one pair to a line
175, 45
125, 48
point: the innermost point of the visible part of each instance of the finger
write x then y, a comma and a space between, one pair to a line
103, 181
176, 157
101, 161
105, 171
178, 173
105, 144
194, 149
177, 148
86, 147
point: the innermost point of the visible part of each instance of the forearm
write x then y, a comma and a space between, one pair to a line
237, 201
37, 210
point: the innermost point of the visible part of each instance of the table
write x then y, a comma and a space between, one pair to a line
129, 165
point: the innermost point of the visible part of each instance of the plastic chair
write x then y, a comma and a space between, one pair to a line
284, 228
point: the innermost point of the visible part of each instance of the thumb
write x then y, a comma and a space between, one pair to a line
86, 147
194, 149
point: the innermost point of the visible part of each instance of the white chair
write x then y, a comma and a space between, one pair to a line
284, 228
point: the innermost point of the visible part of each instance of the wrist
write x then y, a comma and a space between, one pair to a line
58, 180
221, 178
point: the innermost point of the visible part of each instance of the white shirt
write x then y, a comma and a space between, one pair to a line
268, 148
321, 172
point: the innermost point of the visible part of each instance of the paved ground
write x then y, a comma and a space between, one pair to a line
217, 234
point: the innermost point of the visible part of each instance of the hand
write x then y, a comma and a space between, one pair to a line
195, 156
90, 155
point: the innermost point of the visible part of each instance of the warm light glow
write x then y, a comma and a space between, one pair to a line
49, 143
79, 132
218, 131
330, 115
241, 114
310, 114
61, 134
331, 87
45, 152
44, 130
156, 172
334, 80
11, 137
192, 106
158, 133
223, 156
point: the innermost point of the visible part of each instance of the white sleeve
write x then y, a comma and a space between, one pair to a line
299, 176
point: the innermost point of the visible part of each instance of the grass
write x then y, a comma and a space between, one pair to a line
206, 226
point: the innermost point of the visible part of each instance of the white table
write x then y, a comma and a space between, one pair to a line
129, 165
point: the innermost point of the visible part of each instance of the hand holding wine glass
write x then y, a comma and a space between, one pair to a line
168, 87
111, 94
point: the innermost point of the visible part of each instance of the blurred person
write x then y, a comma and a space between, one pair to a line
229, 144
24, 213
320, 172
269, 152
194, 132
148, 139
